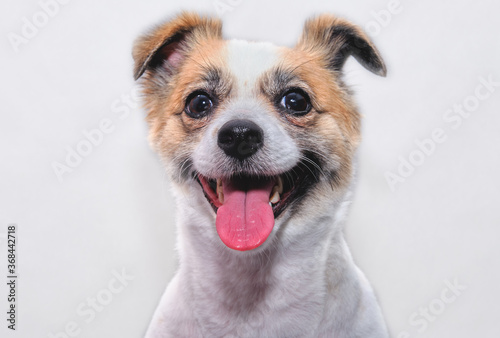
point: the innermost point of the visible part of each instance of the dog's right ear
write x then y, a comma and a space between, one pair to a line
167, 44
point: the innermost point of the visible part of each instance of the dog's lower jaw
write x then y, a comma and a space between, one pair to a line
304, 286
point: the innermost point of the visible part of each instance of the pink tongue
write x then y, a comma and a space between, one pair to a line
246, 219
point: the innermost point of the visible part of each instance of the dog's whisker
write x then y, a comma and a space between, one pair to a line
317, 153
315, 165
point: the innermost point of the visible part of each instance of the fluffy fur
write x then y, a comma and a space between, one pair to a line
302, 282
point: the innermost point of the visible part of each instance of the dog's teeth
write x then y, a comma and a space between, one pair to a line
279, 185
275, 197
220, 192
277, 190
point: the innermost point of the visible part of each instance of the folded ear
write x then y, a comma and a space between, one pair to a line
167, 44
337, 39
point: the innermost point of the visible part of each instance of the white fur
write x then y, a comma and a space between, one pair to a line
248, 60
301, 282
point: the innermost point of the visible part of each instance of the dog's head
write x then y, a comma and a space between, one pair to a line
259, 129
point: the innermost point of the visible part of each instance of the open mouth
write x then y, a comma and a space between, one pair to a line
247, 206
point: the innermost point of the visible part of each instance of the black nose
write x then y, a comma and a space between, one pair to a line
240, 138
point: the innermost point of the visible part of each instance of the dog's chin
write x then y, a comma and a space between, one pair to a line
247, 206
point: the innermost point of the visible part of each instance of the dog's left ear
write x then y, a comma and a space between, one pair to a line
337, 39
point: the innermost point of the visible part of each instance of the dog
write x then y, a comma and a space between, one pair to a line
259, 142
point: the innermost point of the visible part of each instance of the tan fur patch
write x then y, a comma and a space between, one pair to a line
164, 101
170, 126
334, 119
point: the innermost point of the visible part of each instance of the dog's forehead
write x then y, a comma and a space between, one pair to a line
248, 61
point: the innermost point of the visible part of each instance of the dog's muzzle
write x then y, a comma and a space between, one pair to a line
246, 205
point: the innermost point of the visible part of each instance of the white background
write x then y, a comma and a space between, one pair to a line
114, 210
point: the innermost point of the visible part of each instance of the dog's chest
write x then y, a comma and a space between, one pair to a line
264, 303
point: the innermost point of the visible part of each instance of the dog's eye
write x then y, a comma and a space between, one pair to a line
296, 102
198, 105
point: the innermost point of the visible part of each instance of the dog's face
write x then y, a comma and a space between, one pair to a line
261, 131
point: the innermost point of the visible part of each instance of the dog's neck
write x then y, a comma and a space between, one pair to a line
300, 269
